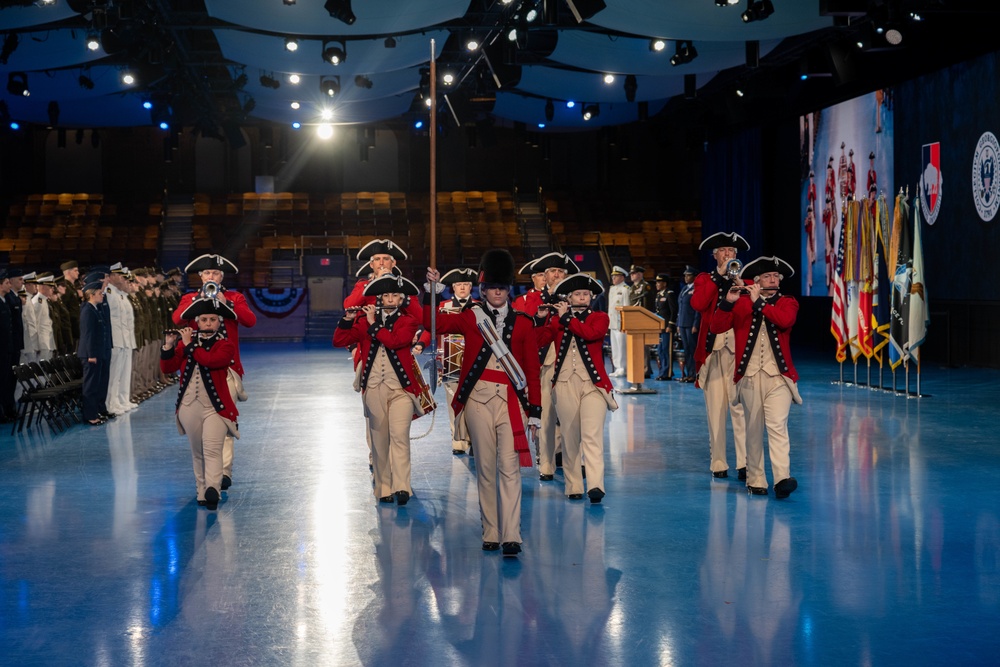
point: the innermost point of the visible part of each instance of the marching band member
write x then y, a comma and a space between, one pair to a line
556, 266
389, 382
206, 411
764, 377
460, 282
529, 301
497, 386
381, 256
714, 356
581, 387
212, 271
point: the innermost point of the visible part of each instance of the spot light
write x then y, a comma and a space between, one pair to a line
269, 82
472, 44
448, 78
294, 79
324, 131
86, 82
289, 2
340, 10
684, 53
326, 114
17, 84
657, 45
570, 104
609, 79
291, 44
330, 85
591, 111
93, 41
295, 105
362, 81
128, 78
757, 10
334, 51
296, 125
390, 42
419, 124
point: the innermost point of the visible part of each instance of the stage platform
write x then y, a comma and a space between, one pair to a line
887, 554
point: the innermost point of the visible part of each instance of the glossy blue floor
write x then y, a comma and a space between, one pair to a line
888, 553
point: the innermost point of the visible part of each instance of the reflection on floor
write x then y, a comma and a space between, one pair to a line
889, 552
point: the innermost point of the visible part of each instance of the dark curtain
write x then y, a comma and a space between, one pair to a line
732, 191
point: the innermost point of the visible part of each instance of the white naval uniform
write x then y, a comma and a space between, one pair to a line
122, 344
618, 296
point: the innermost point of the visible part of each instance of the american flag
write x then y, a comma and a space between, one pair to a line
838, 318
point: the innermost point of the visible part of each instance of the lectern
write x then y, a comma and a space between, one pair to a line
642, 328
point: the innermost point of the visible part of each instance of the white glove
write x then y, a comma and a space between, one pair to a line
534, 421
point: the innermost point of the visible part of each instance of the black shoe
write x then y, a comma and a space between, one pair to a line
402, 497
741, 474
511, 549
583, 471
211, 498
227, 482
385, 499
756, 490
545, 478
457, 452
559, 460
491, 546
785, 487
595, 495
720, 474
575, 496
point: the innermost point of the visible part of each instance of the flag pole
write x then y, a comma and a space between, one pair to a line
433, 213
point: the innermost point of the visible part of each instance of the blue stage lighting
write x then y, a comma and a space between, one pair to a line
14, 125
419, 124
296, 125
164, 125
147, 105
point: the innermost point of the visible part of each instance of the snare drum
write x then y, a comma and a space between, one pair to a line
453, 348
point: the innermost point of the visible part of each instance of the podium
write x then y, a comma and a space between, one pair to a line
642, 328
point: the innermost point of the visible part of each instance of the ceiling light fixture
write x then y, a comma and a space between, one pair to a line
684, 53
291, 44
657, 45
390, 42
609, 79
93, 41
17, 84
268, 81
448, 79
362, 81
471, 44
294, 79
757, 10
324, 131
631, 85
591, 111
334, 51
128, 78
341, 10
295, 105
330, 85
289, 2
86, 82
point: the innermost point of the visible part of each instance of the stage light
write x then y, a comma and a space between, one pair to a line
472, 44
17, 84
609, 79
164, 125
550, 110
684, 53
657, 45
326, 114
739, 92
14, 125
591, 111
269, 82
291, 44
93, 41
86, 82
541, 126
9, 46
341, 10
324, 131
294, 78
330, 85
512, 35
296, 125
725, 3
570, 104
128, 78
362, 81
390, 42
631, 85
289, 2
334, 51
419, 124
147, 105
428, 102
295, 105
757, 10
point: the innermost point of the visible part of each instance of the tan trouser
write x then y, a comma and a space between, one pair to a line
459, 431
766, 400
205, 430
581, 408
716, 380
389, 413
550, 439
493, 439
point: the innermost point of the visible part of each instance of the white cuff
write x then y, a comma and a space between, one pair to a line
534, 421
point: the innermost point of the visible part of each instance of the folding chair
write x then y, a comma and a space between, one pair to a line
36, 399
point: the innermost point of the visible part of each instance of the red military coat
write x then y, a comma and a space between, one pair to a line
774, 316
709, 288
244, 317
395, 335
216, 360
519, 336
529, 302
591, 330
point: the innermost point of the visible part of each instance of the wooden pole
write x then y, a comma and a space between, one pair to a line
433, 211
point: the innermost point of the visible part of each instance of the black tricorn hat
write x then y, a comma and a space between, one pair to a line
381, 247
763, 265
459, 276
211, 263
389, 284
206, 306
496, 267
724, 240
578, 281
554, 260
528, 269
